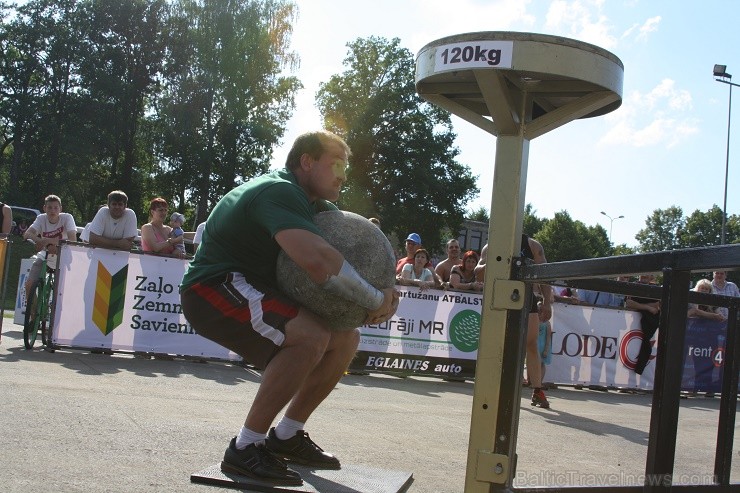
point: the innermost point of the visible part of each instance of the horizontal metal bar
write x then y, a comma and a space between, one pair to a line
725, 257
644, 291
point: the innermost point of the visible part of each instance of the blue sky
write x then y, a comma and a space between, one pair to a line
666, 144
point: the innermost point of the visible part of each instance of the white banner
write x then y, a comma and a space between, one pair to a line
124, 301
433, 323
128, 301
597, 346
591, 345
20, 295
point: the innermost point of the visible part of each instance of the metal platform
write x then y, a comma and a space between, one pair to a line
508, 82
349, 479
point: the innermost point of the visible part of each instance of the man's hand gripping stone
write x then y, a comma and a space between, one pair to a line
387, 309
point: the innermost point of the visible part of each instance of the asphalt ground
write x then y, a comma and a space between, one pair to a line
75, 421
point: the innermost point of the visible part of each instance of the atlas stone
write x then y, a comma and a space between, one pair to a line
363, 245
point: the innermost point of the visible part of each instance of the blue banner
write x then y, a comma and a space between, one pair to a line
704, 355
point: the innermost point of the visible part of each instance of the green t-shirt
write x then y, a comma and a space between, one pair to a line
240, 232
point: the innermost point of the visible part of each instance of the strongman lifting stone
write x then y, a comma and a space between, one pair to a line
363, 245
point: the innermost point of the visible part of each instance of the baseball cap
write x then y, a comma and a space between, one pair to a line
415, 238
176, 216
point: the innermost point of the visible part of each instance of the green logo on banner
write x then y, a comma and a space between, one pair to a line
110, 297
465, 330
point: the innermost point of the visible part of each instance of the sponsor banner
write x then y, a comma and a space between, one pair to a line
705, 355
20, 295
441, 324
124, 301
129, 301
597, 346
408, 364
591, 345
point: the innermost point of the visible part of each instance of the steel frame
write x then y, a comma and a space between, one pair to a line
676, 267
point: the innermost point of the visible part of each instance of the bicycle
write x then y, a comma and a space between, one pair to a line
38, 307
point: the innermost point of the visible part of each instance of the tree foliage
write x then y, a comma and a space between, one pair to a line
182, 99
480, 214
223, 104
187, 98
668, 229
566, 239
531, 224
403, 167
662, 230
622, 249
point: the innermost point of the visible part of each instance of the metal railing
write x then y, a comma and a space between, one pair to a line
676, 267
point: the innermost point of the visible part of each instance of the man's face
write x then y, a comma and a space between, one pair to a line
719, 275
411, 247
116, 209
53, 209
453, 250
328, 173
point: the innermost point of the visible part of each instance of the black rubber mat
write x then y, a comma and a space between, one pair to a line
349, 479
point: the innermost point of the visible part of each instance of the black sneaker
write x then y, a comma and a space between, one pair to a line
301, 450
256, 462
539, 399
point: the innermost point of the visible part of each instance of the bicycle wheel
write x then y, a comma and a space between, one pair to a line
31, 319
45, 314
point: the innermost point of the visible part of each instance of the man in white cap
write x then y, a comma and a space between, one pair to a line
413, 243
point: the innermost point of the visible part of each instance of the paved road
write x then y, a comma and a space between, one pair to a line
75, 421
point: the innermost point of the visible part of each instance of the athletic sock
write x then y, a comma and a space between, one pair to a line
287, 428
247, 437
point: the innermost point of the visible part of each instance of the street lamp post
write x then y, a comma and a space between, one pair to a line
721, 72
611, 223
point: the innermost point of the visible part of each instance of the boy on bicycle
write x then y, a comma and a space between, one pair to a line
46, 231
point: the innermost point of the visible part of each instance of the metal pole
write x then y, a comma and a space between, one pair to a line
727, 169
611, 225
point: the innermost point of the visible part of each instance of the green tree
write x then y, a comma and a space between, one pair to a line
224, 104
403, 168
81, 63
22, 80
565, 239
663, 229
531, 224
125, 51
705, 229
623, 249
733, 229
480, 214
597, 240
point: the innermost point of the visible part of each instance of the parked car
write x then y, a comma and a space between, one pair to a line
23, 217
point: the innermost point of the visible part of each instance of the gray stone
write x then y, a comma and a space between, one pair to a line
363, 245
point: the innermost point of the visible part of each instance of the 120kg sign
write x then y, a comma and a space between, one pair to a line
484, 54
471, 54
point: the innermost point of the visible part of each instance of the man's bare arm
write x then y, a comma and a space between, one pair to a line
480, 269
325, 264
102, 241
